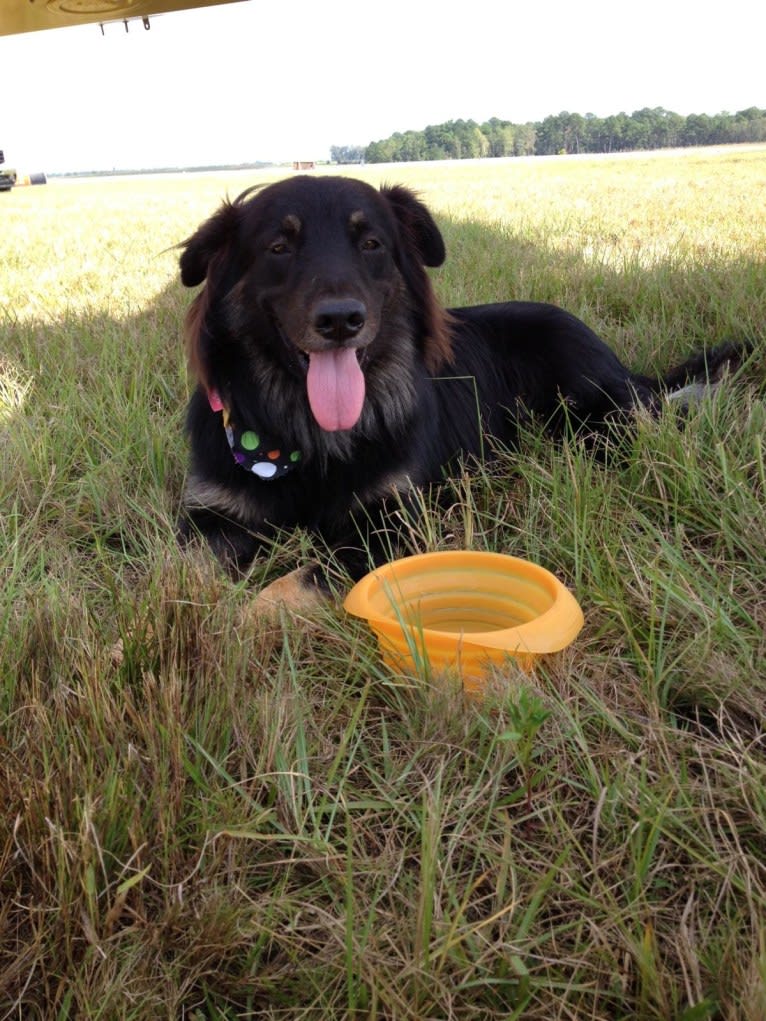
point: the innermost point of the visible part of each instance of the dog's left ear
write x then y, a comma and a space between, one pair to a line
206, 242
422, 245
420, 230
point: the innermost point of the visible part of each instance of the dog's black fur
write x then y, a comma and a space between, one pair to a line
312, 264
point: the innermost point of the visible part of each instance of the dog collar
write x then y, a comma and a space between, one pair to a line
256, 452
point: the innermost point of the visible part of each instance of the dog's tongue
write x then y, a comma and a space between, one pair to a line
336, 388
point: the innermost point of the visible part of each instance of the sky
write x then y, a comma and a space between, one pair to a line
283, 80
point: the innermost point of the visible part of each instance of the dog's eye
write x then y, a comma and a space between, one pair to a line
279, 248
370, 244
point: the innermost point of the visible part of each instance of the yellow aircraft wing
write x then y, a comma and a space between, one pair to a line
31, 15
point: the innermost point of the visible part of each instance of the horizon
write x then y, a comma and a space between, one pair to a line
287, 164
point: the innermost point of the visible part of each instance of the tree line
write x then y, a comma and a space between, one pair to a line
560, 133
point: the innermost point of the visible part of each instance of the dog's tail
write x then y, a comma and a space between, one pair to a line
703, 372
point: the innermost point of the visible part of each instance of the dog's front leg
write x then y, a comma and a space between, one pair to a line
380, 531
376, 533
301, 592
235, 546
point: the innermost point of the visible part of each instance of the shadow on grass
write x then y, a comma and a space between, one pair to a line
207, 814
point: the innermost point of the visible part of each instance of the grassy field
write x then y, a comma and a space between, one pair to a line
210, 819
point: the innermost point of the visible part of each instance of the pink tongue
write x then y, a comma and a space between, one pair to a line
336, 388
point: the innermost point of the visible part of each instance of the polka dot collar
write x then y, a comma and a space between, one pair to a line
254, 451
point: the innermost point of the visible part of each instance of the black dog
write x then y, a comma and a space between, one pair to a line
331, 381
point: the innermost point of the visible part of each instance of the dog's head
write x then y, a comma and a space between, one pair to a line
321, 271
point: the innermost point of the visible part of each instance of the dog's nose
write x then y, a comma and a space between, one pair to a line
339, 319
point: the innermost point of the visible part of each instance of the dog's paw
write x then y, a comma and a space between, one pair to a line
296, 592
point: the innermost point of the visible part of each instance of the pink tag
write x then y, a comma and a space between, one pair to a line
215, 401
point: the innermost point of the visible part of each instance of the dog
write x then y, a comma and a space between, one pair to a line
331, 383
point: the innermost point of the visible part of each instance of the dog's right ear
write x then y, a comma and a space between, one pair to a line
206, 242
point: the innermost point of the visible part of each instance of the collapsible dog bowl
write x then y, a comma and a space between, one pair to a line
465, 611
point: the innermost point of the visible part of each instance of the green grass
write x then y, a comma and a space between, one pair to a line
208, 817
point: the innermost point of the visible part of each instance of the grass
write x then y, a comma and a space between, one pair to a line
210, 818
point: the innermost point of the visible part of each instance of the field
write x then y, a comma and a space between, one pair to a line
209, 817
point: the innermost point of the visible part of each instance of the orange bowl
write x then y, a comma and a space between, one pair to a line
465, 611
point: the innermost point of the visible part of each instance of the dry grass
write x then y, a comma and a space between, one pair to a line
209, 820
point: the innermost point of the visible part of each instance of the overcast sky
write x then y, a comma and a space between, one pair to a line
286, 79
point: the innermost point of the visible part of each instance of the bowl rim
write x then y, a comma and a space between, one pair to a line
550, 631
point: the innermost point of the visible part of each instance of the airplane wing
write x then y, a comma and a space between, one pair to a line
31, 15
